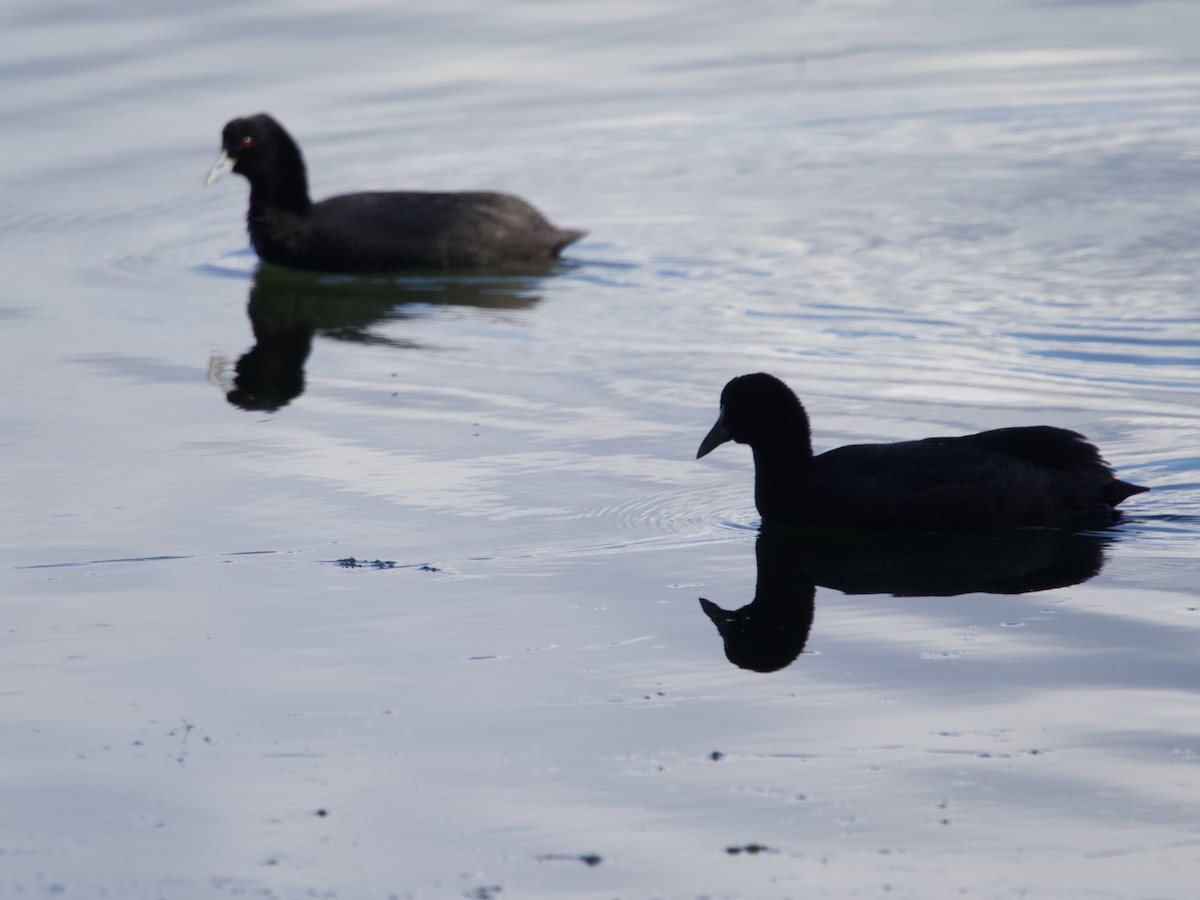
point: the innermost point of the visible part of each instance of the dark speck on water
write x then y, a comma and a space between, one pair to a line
751, 849
588, 859
351, 563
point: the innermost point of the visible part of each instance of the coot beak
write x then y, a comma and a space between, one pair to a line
224, 164
719, 616
715, 438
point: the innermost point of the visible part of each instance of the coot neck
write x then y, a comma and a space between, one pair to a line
284, 188
781, 468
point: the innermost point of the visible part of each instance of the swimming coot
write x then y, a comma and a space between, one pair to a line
376, 231
1007, 478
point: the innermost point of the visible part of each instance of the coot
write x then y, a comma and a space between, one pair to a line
1007, 478
376, 231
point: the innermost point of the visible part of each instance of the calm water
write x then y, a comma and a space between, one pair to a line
927, 220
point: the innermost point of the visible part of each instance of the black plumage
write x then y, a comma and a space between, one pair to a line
375, 231
1008, 478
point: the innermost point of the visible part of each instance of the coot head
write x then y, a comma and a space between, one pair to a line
758, 409
259, 148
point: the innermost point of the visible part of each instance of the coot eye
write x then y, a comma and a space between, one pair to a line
247, 141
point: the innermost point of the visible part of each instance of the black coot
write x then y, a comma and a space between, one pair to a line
1007, 478
378, 231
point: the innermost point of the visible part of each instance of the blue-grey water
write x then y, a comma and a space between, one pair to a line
928, 218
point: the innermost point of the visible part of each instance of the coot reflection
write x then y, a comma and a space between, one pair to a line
770, 632
287, 309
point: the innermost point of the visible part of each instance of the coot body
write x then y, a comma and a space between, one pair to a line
1007, 478
377, 231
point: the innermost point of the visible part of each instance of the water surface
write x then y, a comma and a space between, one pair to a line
928, 221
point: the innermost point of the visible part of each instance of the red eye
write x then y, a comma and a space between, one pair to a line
247, 141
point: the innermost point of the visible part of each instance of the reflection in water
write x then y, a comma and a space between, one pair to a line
287, 308
769, 633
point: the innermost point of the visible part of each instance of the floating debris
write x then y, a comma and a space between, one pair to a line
749, 848
351, 563
588, 859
